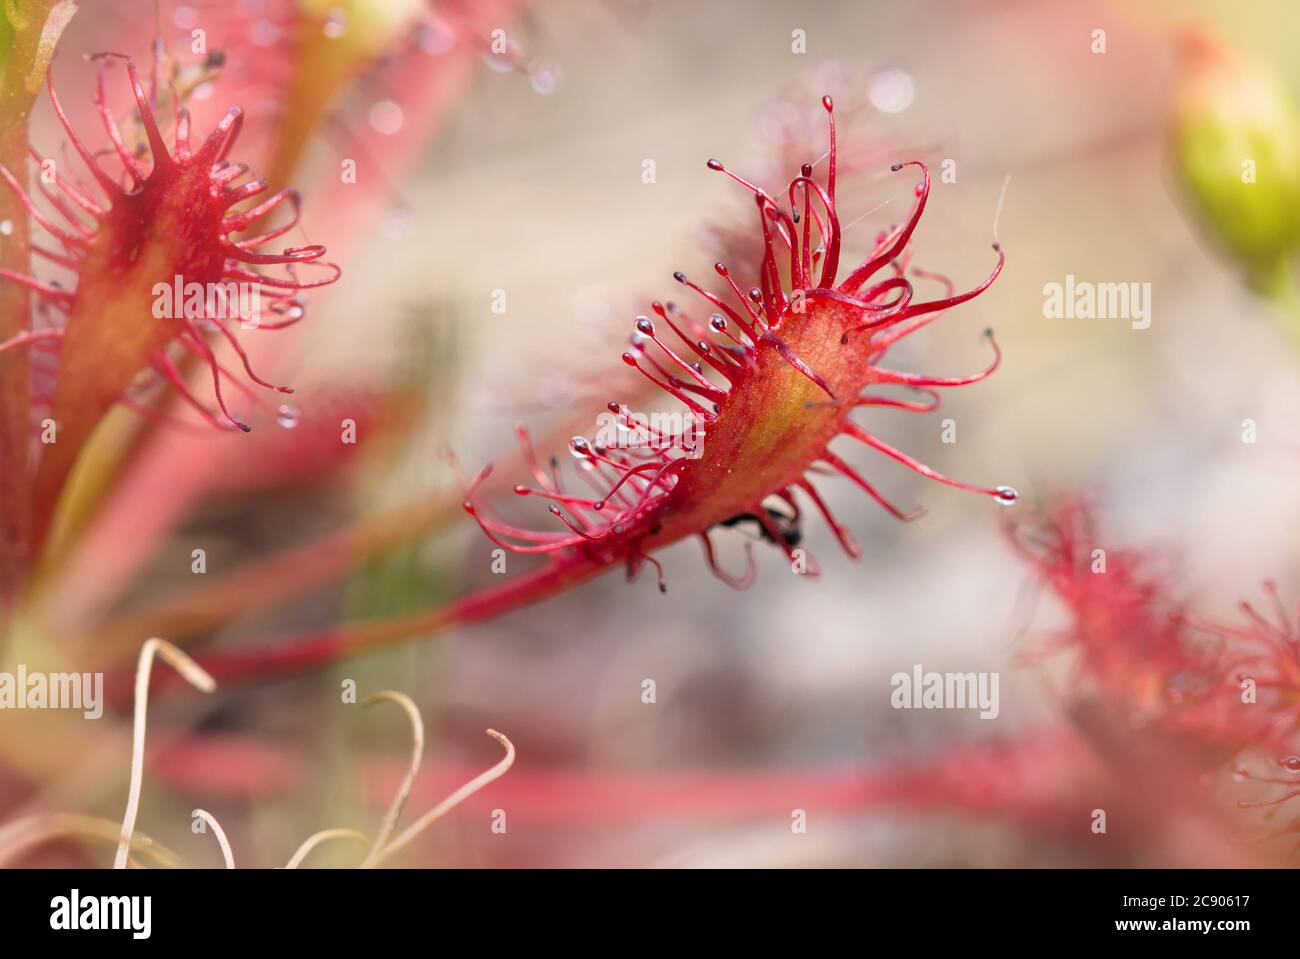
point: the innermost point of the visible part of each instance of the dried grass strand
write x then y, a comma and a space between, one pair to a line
388, 825
192, 673
451, 802
325, 835
226, 853
21, 835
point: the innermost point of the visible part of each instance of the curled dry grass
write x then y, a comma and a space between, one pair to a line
22, 835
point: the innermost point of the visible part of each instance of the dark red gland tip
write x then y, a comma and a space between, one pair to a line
784, 378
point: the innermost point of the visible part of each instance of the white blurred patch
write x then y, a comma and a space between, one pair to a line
891, 91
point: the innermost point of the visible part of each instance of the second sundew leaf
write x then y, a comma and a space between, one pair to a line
182, 220
788, 368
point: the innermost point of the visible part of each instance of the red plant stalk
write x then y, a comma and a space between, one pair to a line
1036, 781
788, 369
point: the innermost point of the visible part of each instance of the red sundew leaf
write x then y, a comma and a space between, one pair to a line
180, 222
173, 468
1122, 606
770, 378
1138, 645
1160, 691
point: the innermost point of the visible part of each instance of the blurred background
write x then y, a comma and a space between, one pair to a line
522, 181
